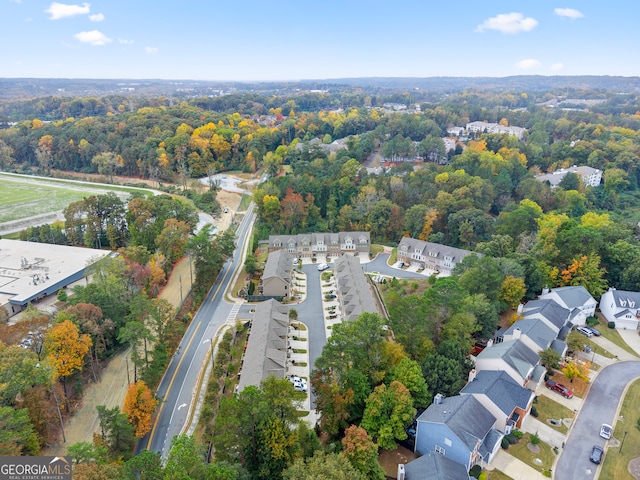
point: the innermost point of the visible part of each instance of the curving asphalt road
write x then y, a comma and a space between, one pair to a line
178, 385
600, 406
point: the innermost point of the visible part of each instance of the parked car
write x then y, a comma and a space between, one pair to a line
605, 431
559, 388
585, 331
593, 330
596, 454
299, 384
323, 266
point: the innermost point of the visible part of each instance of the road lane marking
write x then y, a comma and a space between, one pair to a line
173, 377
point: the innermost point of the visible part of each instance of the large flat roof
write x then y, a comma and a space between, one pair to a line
30, 270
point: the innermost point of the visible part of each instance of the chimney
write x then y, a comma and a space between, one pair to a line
516, 333
520, 308
437, 400
545, 290
400, 471
472, 375
489, 343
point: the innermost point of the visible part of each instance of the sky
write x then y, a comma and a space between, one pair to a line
270, 40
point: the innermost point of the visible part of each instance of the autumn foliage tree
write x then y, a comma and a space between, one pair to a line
579, 370
139, 405
66, 349
362, 453
512, 290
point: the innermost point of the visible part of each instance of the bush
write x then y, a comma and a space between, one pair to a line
611, 324
482, 476
547, 473
511, 439
517, 433
505, 443
534, 412
535, 439
592, 321
475, 471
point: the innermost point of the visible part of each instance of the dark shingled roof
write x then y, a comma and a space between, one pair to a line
266, 352
550, 309
433, 466
535, 329
501, 389
514, 353
465, 417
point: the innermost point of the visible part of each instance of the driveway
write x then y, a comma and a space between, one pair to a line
600, 406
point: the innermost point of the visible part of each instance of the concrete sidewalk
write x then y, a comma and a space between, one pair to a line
516, 469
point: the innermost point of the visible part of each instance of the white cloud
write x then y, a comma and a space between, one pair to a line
568, 12
94, 37
508, 23
151, 50
529, 64
61, 10
97, 17
124, 41
556, 67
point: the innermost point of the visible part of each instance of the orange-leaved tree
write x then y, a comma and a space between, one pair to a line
66, 349
139, 405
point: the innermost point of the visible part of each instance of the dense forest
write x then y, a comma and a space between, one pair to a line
482, 195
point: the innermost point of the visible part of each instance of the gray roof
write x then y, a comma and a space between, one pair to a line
437, 250
572, 296
515, 354
559, 346
489, 444
354, 291
549, 309
501, 389
433, 466
535, 329
312, 239
266, 352
279, 264
465, 417
625, 299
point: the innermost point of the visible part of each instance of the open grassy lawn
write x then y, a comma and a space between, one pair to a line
598, 349
522, 452
548, 409
245, 201
616, 463
613, 335
376, 249
498, 475
22, 200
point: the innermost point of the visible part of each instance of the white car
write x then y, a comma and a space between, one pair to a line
299, 384
605, 431
585, 331
323, 266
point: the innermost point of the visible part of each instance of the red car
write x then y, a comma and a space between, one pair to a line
560, 388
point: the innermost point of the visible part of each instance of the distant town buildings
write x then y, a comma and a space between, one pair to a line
591, 177
485, 127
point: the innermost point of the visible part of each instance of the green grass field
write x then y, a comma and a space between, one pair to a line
22, 200
23, 197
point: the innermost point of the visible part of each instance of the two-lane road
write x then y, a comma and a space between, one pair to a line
599, 407
178, 385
